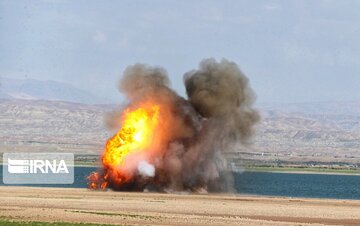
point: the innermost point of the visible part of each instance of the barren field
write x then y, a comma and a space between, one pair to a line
81, 205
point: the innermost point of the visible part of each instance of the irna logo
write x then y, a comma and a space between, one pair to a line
37, 166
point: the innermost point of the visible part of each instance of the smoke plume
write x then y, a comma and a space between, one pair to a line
221, 91
184, 149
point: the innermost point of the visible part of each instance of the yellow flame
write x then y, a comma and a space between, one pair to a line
135, 135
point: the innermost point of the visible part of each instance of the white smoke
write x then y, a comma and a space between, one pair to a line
146, 169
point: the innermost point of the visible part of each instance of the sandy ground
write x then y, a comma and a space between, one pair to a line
81, 205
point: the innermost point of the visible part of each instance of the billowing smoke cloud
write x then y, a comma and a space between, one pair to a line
219, 90
185, 151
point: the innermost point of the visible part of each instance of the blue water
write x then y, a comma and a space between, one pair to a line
273, 184
299, 185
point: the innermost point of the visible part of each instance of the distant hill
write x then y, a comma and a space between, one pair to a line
39, 125
282, 135
350, 108
309, 132
31, 89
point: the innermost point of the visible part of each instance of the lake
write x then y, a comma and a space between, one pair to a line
270, 184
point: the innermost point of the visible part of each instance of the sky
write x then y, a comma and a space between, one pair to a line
292, 51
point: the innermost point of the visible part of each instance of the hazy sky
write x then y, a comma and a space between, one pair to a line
292, 51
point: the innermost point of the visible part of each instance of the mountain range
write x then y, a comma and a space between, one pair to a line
31, 89
52, 116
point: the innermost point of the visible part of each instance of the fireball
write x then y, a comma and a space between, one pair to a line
128, 146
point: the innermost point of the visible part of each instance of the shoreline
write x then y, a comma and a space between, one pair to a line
281, 170
290, 170
303, 172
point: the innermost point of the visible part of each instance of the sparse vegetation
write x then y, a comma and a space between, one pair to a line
144, 217
302, 169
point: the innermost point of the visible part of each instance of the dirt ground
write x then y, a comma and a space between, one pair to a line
82, 205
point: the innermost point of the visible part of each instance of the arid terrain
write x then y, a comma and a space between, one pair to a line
107, 207
317, 134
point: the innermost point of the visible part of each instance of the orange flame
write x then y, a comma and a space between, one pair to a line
134, 138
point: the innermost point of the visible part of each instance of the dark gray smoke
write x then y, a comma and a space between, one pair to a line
221, 91
140, 81
195, 133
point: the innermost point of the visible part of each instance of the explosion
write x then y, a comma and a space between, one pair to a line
135, 135
168, 143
